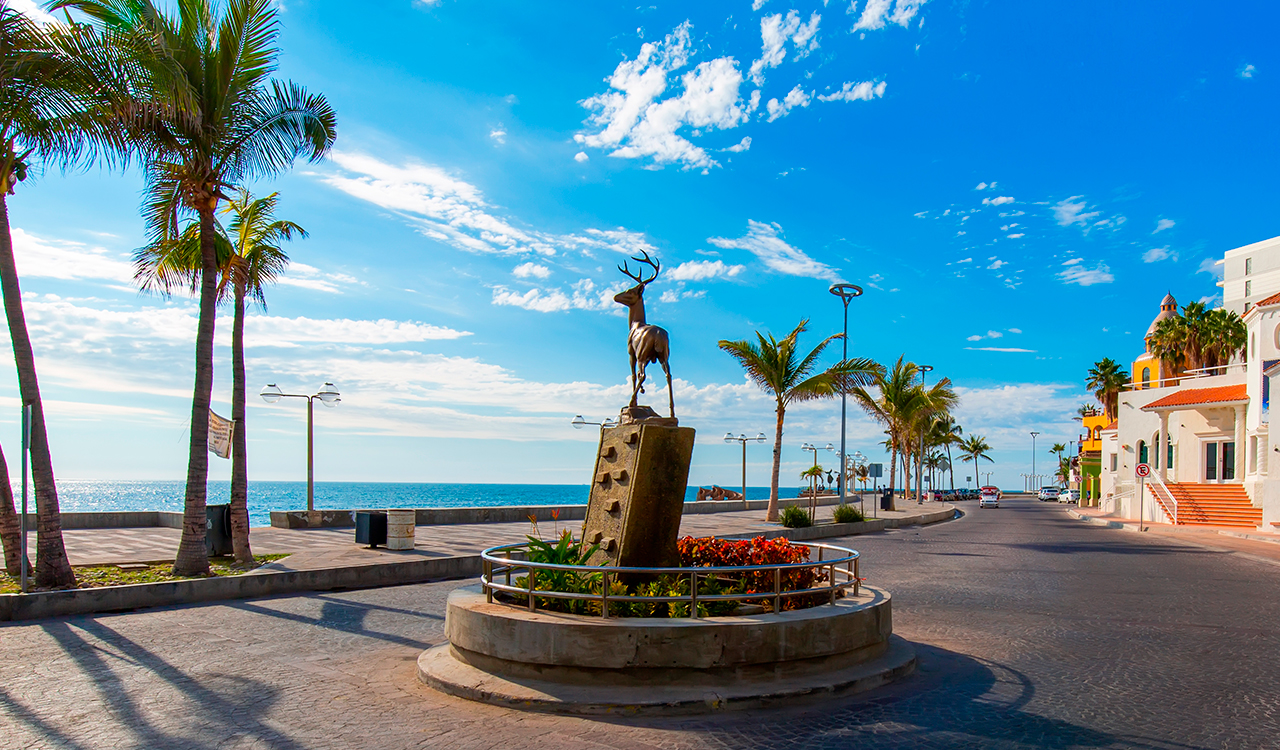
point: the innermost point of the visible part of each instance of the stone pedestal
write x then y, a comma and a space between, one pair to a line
637, 493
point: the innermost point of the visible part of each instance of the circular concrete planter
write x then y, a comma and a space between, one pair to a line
549, 661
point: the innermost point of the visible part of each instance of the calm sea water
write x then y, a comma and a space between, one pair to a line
264, 497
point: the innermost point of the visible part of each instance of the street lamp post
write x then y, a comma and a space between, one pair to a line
729, 438
924, 370
845, 292
1033, 460
328, 396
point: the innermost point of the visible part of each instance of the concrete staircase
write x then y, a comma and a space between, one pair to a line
1225, 505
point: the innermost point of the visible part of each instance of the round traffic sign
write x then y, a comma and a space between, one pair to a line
1143, 470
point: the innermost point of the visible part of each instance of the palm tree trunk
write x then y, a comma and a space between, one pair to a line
772, 513
951, 469
53, 569
192, 558
10, 526
239, 441
893, 472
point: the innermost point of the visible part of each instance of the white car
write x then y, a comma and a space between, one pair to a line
989, 497
1068, 496
1048, 493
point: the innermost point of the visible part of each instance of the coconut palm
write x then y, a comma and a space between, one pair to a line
945, 433
1058, 449
45, 120
1224, 336
895, 402
779, 369
974, 448
192, 92
249, 258
1106, 378
10, 525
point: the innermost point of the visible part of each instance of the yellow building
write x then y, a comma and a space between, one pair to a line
1091, 459
1148, 371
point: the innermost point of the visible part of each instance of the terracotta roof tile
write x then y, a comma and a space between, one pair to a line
1197, 396
1115, 425
1272, 300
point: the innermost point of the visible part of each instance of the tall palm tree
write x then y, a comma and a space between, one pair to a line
1106, 378
1058, 449
192, 92
1224, 336
947, 432
974, 448
896, 400
249, 258
10, 526
45, 120
779, 369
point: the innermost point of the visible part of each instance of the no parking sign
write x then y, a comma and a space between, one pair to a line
1143, 470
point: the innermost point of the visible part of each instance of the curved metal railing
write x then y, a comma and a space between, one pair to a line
838, 562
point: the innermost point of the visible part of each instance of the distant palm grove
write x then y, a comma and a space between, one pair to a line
184, 92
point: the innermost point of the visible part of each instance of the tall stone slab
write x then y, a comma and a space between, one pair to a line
637, 494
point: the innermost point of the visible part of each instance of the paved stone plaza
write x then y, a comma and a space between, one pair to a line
1034, 630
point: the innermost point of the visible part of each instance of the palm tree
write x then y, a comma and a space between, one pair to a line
1223, 337
898, 398
249, 258
10, 526
814, 475
778, 368
1058, 449
1106, 378
44, 120
192, 94
974, 448
946, 432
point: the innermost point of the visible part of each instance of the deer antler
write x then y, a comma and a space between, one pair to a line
655, 265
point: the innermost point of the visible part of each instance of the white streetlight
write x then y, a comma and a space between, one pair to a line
845, 292
328, 396
730, 438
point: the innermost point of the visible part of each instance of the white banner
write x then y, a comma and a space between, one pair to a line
220, 431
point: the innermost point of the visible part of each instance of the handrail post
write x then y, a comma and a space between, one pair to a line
777, 590
857, 581
693, 595
604, 596
486, 580
832, 573
508, 567
532, 604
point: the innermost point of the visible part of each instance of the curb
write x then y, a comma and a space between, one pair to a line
1175, 539
831, 530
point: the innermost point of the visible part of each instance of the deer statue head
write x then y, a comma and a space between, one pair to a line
635, 294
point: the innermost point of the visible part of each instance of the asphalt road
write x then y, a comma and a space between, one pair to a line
1034, 631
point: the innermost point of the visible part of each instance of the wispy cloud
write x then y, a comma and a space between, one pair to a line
796, 97
531, 270
766, 243
1157, 254
53, 258
1246, 71
854, 91
702, 270
1072, 210
1076, 272
1164, 224
584, 295
999, 349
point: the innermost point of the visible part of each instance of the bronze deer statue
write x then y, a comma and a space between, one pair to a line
645, 343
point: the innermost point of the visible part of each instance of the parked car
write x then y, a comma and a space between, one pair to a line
989, 497
1068, 496
1048, 493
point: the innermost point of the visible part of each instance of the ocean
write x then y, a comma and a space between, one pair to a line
264, 497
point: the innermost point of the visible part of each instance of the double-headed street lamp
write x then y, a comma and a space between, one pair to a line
924, 370
845, 292
328, 396
578, 423
1033, 458
730, 438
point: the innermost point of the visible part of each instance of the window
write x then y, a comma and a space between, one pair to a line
1115, 462
1248, 288
1146, 377
1142, 452
1248, 267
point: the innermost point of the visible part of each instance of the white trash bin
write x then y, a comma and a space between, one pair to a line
400, 526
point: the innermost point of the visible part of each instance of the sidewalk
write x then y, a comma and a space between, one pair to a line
1257, 545
311, 549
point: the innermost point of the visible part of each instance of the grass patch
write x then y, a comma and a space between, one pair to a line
795, 517
98, 576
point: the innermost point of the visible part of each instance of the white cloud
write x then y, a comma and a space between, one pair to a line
1247, 71
997, 265
876, 12
499, 135
669, 296
265, 330
1157, 254
775, 31
998, 201
32, 10
740, 146
1211, 266
1015, 330
581, 156
764, 241
964, 260
702, 270
1071, 210
1076, 273
309, 277
987, 335
584, 295
531, 269
985, 186
999, 349
796, 97
51, 258
1164, 224
634, 123
758, 4
450, 210
856, 91
1017, 236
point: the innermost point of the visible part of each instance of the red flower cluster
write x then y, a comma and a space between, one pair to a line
712, 552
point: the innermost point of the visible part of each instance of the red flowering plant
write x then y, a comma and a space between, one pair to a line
713, 553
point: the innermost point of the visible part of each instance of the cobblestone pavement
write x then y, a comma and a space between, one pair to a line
1034, 630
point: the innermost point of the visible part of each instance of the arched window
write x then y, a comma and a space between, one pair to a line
1097, 433
1155, 442
1146, 377
1142, 451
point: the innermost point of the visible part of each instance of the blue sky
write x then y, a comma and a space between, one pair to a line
1016, 185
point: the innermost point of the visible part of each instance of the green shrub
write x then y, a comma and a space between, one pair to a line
847, 514
795, 517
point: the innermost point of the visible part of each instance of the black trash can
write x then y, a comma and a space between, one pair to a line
217, 538
371, 528
886, 499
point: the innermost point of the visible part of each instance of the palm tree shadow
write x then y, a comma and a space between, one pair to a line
225, 701
952, 700
341, 616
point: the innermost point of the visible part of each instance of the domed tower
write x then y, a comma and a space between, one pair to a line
1148, 370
